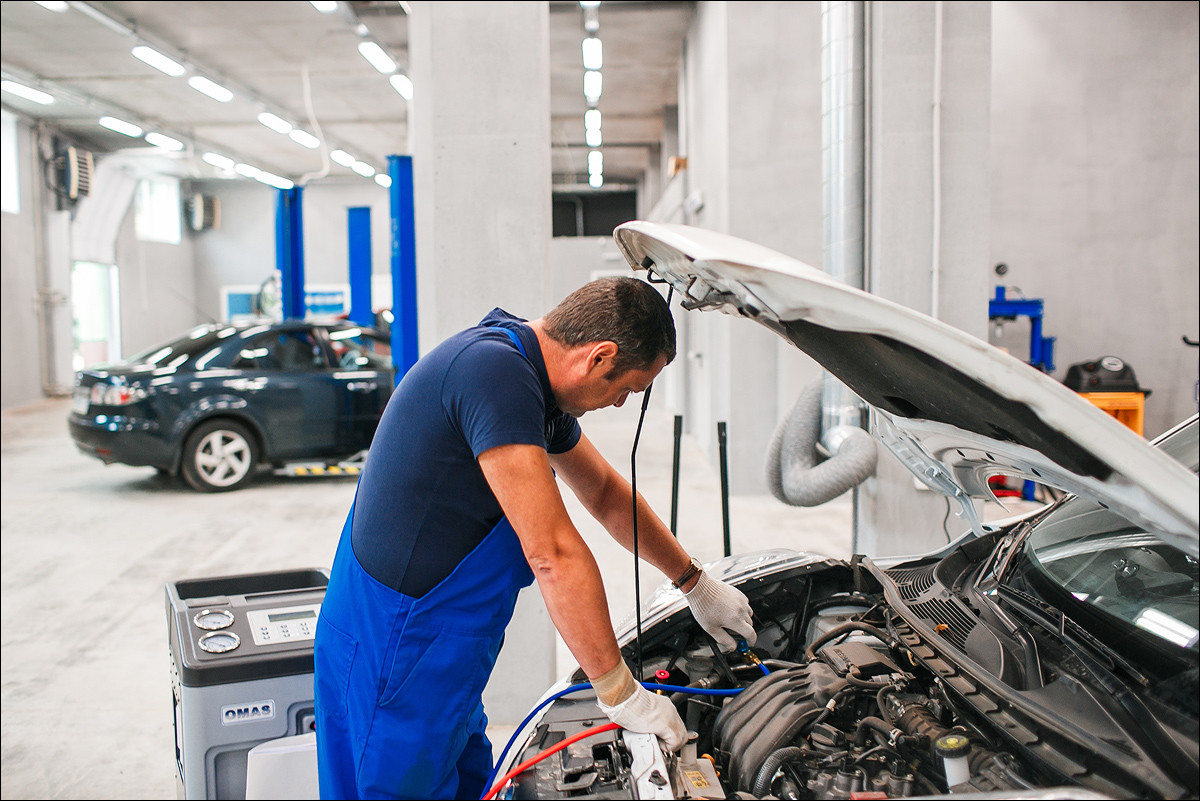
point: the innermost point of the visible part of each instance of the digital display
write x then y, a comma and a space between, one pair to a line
283, 617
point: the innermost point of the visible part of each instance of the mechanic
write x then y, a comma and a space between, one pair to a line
456, 510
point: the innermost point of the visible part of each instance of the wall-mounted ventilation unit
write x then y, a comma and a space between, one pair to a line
204, 212
76, 172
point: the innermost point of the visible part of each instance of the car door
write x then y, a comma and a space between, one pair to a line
364, 377
293, 395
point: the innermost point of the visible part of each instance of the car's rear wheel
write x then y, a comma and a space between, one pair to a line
219, 455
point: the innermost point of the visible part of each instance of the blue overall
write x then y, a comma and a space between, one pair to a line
399, 680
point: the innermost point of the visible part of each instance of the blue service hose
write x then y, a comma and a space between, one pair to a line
575, 688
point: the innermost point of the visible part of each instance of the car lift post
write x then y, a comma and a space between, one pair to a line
358, 232
289, 250
404, 264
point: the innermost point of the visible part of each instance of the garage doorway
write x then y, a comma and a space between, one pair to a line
96, 313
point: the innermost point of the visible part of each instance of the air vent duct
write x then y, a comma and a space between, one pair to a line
77, 168
204, 212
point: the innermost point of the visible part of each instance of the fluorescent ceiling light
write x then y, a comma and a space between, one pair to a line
342, 157
593, 138
29, 93
163, 141
247, 170
589, 3
157, 60
302, 137
402, 84
206, 87
277, 124
219, 161
593, 85
595, 162
591, 119
596, 180
380, 60
383, 180
54, 5
120, 126
362, 168
593, 53
271, 179
325, 6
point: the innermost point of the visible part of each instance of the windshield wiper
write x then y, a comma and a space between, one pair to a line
1093, 655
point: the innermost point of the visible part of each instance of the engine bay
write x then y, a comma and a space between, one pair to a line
837, 699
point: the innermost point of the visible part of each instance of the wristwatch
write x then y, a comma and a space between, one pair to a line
692, 569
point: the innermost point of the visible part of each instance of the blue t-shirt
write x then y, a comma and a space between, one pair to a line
423, 503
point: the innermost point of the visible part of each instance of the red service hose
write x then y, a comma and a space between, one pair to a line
551, 751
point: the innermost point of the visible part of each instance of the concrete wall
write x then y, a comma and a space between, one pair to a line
1094, 173
242, 250
750, 128
19, 344
575, 260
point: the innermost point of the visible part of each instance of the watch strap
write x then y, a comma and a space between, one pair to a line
693, 568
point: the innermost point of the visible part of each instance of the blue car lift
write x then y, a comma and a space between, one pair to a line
1041, 348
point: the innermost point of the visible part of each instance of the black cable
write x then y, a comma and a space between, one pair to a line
946, 518
637, 573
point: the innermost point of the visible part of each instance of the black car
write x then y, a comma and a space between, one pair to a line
1050, 655
223, 399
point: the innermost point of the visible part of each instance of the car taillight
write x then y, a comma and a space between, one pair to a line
110, 395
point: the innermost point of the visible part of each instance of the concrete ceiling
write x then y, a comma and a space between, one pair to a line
286, 57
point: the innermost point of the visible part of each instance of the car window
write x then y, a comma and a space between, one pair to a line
174, 353
1116, 567
356, 349
295, 350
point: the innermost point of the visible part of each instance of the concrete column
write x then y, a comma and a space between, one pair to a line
481, 161
480, 122
929, 89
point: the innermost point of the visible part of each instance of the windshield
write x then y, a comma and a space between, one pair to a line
1116, 571
176, 352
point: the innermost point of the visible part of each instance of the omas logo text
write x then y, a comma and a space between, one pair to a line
247, 713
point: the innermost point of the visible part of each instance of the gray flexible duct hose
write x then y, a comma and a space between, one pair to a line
795, 473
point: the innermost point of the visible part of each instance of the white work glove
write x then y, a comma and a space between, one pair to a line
717, 606
637, 709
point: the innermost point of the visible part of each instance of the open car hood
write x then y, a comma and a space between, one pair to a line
952, 408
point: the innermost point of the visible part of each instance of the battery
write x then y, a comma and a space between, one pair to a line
241, 671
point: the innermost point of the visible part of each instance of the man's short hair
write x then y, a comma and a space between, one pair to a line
626, 311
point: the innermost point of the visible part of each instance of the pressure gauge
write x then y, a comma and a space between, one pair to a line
219, 642
213, 619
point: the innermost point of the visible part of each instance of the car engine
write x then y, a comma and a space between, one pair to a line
832, 704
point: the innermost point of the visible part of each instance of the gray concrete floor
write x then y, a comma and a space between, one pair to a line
88, 550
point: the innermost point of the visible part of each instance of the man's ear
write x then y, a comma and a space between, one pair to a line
600, 353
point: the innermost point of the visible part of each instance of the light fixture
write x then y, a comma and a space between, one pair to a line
592, 137
53, 5
593, 53
593, 85
362, 168
596, 180
591, 17
342, 157
402, 84
380, 60
324, 6
120, 126
206, 87
383, 180
27, 92
589, 3
591, 119
247, 170
218, 161
275, 123
157, 60
303, 137
163, 141
271, 179
595, 162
